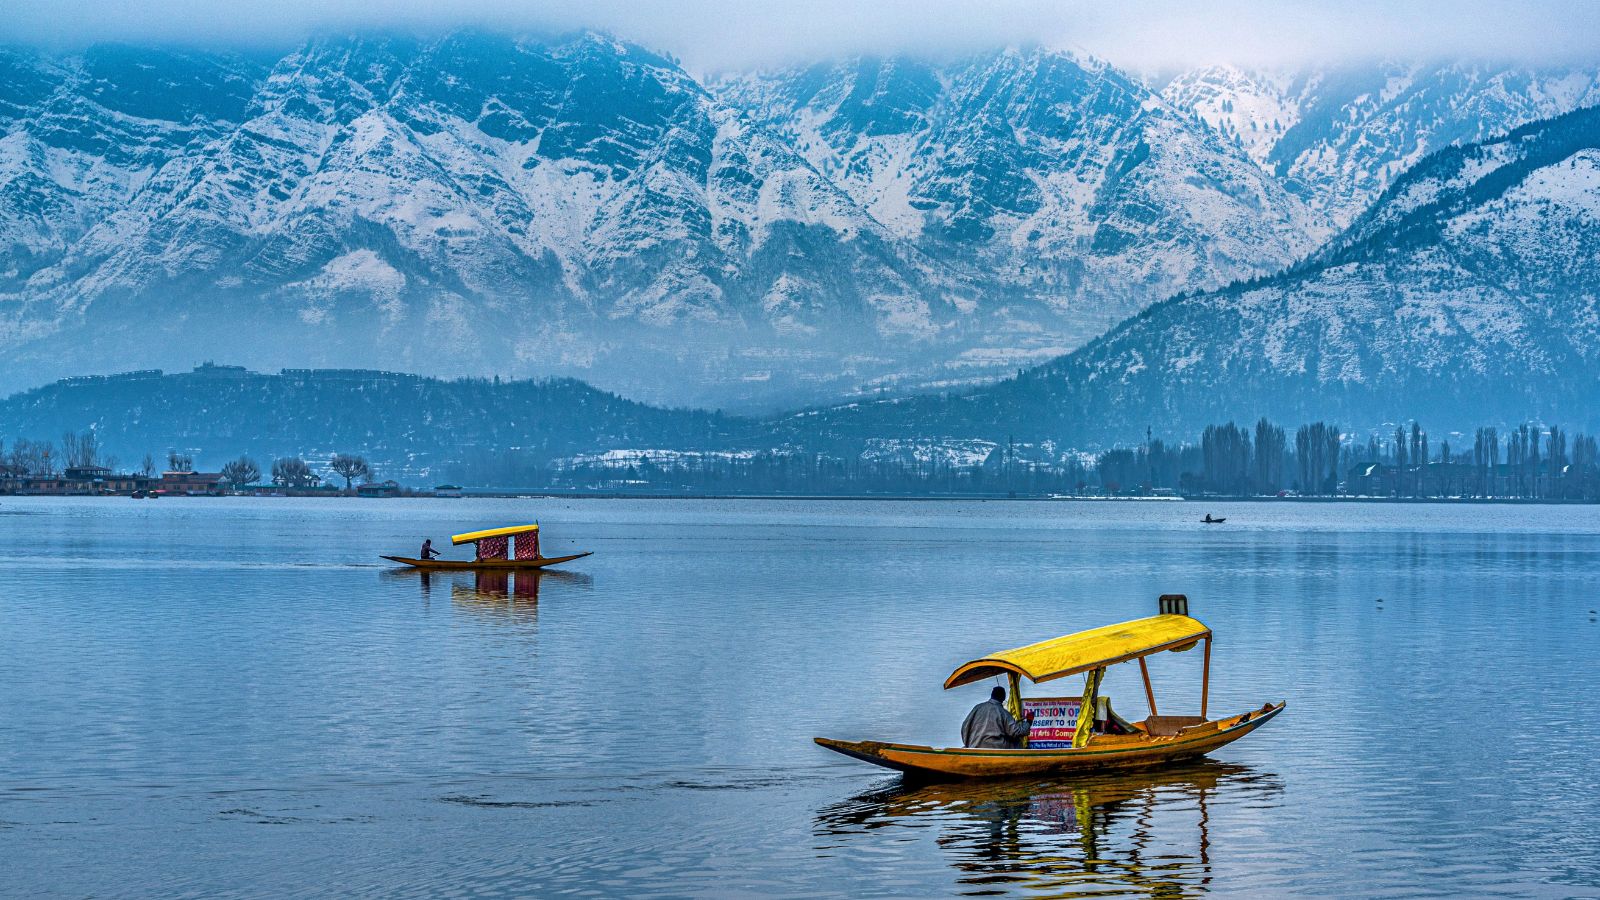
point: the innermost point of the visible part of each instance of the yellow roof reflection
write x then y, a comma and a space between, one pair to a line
1085, 650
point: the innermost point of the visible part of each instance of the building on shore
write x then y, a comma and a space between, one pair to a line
193, 484
379, 489
75, 481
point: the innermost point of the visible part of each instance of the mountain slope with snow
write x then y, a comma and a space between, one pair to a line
1338, 136
481, 204
1469, 293
1068, 180
80, 137
476, 204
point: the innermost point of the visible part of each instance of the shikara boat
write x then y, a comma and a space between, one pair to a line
1099, 739
511, 548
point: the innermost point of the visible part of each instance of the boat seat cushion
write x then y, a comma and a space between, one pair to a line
1167, 726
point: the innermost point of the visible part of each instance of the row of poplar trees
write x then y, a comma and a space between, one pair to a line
1242, 461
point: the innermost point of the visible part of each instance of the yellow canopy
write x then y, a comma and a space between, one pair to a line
1085, 650
471, 536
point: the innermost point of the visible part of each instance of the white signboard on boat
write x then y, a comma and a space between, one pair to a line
1054, 720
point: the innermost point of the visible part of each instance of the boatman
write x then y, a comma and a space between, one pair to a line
991, 725
427, 549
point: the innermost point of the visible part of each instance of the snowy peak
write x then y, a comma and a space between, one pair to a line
1252, 109
1071, 179
1468, 290
1338, 137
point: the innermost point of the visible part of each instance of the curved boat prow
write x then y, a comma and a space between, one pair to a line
866, 751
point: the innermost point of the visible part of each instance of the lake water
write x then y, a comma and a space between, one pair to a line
209, 697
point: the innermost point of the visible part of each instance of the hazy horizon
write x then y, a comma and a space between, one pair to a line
715, 35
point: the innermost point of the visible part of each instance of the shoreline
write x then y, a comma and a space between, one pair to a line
625, 495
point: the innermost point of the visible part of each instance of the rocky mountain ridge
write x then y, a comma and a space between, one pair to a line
1469, 293
478, 203
1338, 136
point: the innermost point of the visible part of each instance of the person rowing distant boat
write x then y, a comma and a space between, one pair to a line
511, 547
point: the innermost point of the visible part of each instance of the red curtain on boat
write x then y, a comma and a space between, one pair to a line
492, 548
528, 545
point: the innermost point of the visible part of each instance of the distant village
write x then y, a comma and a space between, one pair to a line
1529, 463
77, 469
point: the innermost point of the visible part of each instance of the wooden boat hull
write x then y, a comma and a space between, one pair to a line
1104, 752
482, 565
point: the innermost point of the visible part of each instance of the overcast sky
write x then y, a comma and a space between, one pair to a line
718, 34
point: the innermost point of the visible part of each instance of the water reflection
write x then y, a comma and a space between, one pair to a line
1145, 833
499, 593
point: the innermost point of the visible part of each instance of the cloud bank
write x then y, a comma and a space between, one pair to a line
725, 34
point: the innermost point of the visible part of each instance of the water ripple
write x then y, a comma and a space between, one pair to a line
238, 698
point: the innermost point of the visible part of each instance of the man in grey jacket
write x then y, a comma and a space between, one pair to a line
993, 726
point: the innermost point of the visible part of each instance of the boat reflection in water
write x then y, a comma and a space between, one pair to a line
1141, 833
502, 593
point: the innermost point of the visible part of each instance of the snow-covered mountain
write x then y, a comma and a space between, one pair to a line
81, 137
1338, 136
1063, 177
481, 204
1469, 294
478, 203
472, 204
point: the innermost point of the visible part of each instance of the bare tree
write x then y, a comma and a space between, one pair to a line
147, 466
241, 472
293, 473
180, 462
349, 468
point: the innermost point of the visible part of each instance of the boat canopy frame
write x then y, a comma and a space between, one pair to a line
473, 537
1097, 648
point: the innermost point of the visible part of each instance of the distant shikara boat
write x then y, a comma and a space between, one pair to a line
513, 547
1100, 739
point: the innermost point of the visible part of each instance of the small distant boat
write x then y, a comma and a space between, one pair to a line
511, 548
1208, 520
1099, 739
